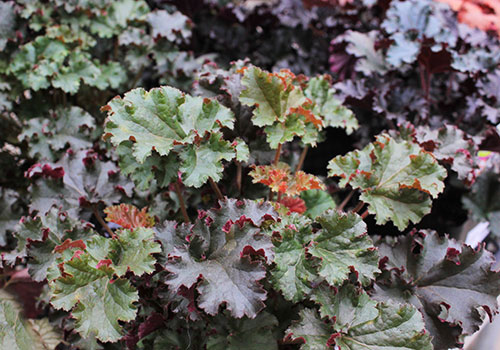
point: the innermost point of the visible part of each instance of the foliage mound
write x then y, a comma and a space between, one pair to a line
247, 175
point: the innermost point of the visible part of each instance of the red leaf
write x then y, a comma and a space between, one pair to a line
104, 262
128, 216
68, 243
295, 205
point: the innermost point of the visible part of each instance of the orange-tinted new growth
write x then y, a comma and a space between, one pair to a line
128, 216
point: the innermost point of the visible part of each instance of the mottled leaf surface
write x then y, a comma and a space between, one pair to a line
396, 179
449, 282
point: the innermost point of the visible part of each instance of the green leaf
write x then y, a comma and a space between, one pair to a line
314, 333
242, 151
201, 162
88, 282
449, 283
362, 46
360, 323
111, 75
272, 96
340, 247
284, 132
220, 258
131, 250
326, 105
86, 180
66, 127
116, 18
18, 333
7, 23
348, 305
180, 335
169, 25
234, 334
317, 202
39, 237
96, 300
9, 213
53, 60
343, 246
33, 72
294, 273
162, 117
396, 179
155, 169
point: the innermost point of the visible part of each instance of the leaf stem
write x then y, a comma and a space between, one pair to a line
302, 158
358, 207
181, 202
277, 155
365, 214
271, 195
101, 221
238, 176
216, 189
275, 163
345, 201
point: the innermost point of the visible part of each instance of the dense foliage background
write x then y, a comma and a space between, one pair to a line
414, 81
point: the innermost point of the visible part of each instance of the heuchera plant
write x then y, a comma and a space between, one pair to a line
189, 213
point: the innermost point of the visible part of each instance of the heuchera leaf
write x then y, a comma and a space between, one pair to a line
86, 180
410, 22
170, 26
294, 205
130, 250
66, 127
234, 334
117, 16
317, 202
396, 179
287, 106
89, 284
18, 333
155, 169
45, 62
165, 120
95, 298
449, 282
340, 247
9, 216
273, 94
279, 104
128, 216
451, 145
294, 273
40, 237
161, 118
220, 257
482, 201
327, 107
343, 246
7, 23
279, 179
362, 45
356, 322
204, 161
